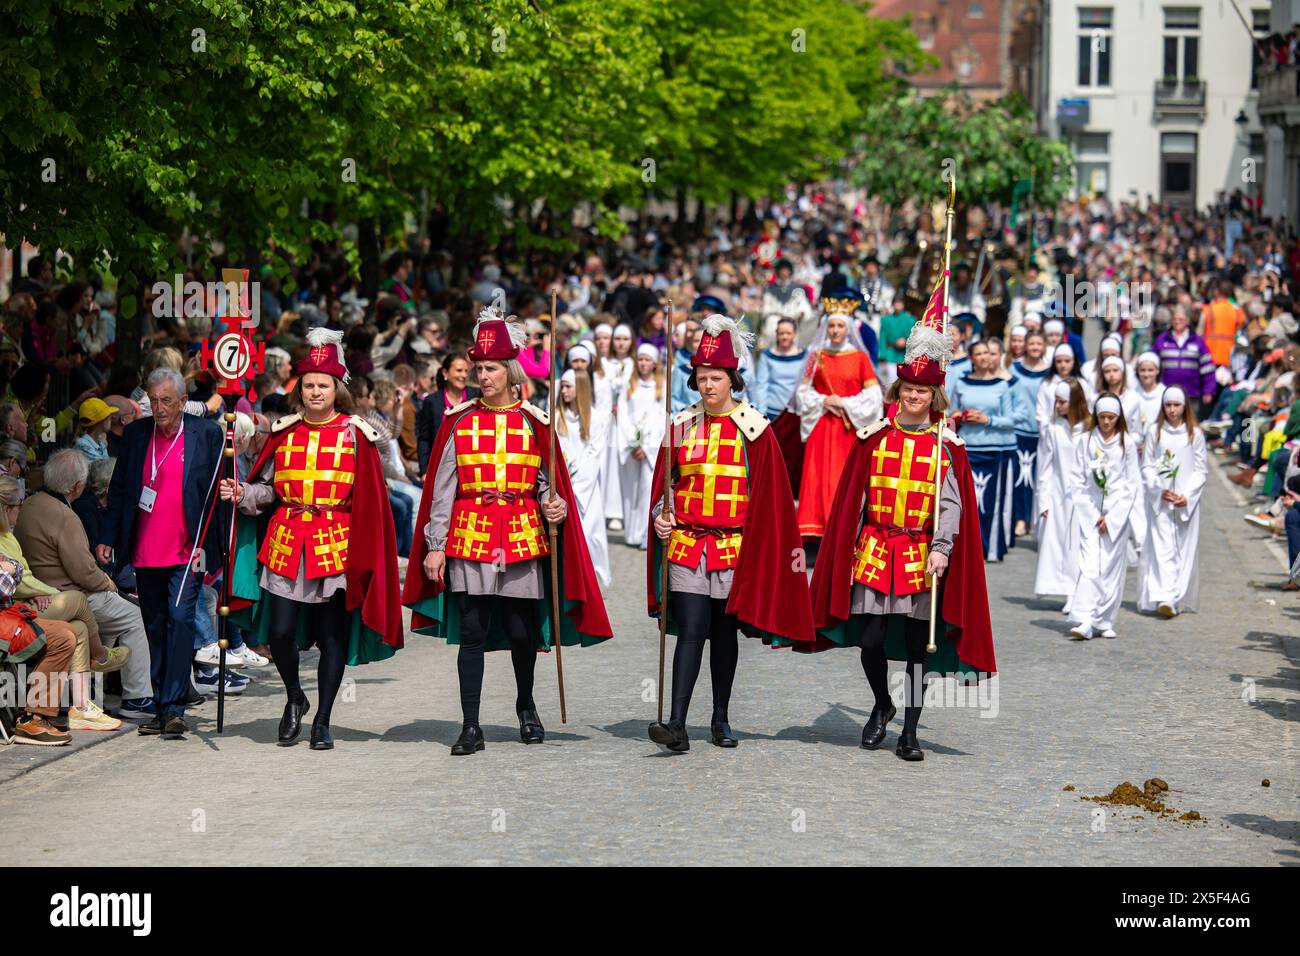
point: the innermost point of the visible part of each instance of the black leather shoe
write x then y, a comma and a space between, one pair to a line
195, 699
720, 734
874, 732
671, 735
175, 728
531, 730
151, 728
291, 721
909, 748
469, 742
320, 737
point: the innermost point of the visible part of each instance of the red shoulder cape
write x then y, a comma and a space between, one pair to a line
963, 594
372, 542
769, 591
581, 591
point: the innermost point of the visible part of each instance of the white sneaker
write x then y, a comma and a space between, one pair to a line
91, 717
249, 656
1109, 632
210, 654
1259, 520
1080, 632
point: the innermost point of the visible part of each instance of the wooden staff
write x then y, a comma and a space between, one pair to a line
551, 529
839, 413
668, 504
931, 647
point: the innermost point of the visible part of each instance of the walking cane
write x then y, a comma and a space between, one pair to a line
668, 504
931, 647
550, 526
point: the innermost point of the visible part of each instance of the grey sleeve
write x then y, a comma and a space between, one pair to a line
259, 493
949, 514
544, 489
444, 496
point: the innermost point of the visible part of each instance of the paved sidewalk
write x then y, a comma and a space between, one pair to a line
1165, 699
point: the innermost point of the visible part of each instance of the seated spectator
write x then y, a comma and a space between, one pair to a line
59, 605
93, 501
125, 412
13, 424
13, 460
48, 645
58, 552
95, 417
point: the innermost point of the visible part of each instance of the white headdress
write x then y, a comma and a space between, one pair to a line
491, 313
741, 341
322, 336
930, 342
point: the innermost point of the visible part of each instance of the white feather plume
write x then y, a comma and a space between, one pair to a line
930, 342
490, 313
322, 336
741, 341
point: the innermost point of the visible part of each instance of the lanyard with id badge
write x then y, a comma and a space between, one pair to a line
147, 494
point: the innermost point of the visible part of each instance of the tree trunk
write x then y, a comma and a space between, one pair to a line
697, 227
680, 225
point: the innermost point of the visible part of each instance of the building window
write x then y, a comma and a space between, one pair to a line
925, 27
1182, 42
1259, 26
976, 11
1096, 46
1092, 163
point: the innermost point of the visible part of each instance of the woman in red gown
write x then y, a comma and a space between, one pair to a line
838, 395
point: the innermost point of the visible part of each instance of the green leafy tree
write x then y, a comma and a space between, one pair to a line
906, 143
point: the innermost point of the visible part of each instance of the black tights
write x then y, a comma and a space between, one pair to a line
916, 632
326, 624
518, 617
700, 618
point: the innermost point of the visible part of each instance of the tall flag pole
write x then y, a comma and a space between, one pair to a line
550, 525
940, 295
668, 499
233, 360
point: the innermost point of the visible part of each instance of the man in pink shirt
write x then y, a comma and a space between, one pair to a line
157, 503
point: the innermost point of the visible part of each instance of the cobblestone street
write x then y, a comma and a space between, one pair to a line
1165, 699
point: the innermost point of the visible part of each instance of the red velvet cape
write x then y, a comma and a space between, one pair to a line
372, 541
963, 594
769, 590
579, 589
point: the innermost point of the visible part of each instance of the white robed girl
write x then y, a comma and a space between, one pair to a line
583, 430
1174, 471
620, 366
1106, 483
1058, 537
640, 432
1112, 376
1148, 391
1065, 366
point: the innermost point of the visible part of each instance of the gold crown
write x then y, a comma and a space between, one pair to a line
839, 306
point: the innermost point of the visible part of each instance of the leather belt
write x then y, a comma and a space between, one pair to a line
314, 510
708, 532
492, 496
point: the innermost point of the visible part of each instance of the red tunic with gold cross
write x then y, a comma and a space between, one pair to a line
314, 470
495, 517
709, 494
898, 520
